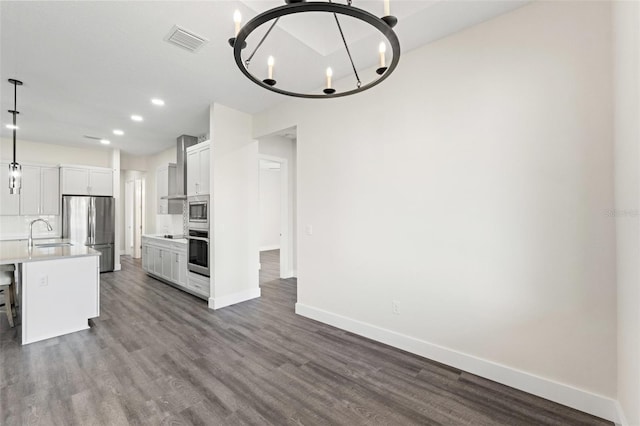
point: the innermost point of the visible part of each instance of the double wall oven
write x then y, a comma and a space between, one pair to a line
198, 234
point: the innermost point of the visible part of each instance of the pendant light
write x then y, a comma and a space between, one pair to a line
15, 169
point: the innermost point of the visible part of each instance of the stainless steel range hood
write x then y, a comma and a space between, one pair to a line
184, 142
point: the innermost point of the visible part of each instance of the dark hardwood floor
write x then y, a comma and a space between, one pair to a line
157, 355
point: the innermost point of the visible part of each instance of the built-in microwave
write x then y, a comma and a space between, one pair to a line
198, 211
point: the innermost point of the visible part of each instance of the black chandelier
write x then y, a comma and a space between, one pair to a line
384, 25
15, 169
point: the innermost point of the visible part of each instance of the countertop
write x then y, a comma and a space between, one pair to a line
17, 251
161, 237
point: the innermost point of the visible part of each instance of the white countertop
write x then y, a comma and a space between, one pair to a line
17, 251
160, 237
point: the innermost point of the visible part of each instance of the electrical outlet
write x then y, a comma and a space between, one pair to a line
308, 230
44, 280
395, 307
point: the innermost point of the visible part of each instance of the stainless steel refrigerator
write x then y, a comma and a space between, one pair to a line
91, 221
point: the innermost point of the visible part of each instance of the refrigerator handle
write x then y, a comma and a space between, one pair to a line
92, 213
89, 223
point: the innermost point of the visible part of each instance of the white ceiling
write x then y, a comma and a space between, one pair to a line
87, 66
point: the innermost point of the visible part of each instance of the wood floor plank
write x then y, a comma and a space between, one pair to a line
157, 355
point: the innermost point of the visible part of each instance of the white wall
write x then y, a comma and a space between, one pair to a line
45, 153
627, 206
472, 187
269, 209
14, 227
159, 223
131, 162
278, 146
234, 187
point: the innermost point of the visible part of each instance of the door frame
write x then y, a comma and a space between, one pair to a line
129, 215
286, 220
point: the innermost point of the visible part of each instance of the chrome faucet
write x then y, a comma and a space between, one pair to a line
49, 228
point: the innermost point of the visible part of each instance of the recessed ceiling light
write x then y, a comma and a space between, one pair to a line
11, 126
136, 118
157, 101
118, 132
105, 141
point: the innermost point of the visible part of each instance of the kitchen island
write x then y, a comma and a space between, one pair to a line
59, 286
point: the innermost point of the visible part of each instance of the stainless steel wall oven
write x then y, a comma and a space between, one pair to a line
198, 251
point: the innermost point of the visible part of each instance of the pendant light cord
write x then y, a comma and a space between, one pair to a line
14, 112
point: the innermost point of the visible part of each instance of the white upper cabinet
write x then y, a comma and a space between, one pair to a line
9, 204
40, 192
50, 190
101, 182
87, 181
198, 169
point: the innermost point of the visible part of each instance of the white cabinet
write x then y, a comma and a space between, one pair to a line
198, 169
86, 181
166, 185
101, 182
199, 285
167, 260
40, 192
145, 258
179, 272
50, 190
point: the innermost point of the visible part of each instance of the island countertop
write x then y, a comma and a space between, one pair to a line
163, 238
17, 251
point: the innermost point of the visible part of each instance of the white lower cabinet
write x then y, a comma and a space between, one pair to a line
167, 260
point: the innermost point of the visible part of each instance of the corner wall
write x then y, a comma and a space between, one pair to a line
626, 20
472, 188
234, 183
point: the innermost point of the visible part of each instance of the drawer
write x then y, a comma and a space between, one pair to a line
198, 286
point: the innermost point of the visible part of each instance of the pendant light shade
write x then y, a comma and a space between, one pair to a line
15, 169
15, 178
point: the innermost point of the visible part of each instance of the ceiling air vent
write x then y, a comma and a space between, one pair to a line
92, 137
185, 39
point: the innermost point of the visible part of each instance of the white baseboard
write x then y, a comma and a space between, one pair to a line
622, 420
117, 267
582, 400
273, 247
232, 299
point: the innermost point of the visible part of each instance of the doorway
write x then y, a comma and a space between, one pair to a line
277, 162
133, 213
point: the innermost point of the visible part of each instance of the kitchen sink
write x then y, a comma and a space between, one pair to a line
45, 245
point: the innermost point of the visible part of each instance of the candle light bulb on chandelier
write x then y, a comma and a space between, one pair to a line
270, 63
237, 19
269, 80
382, 49
329, 90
